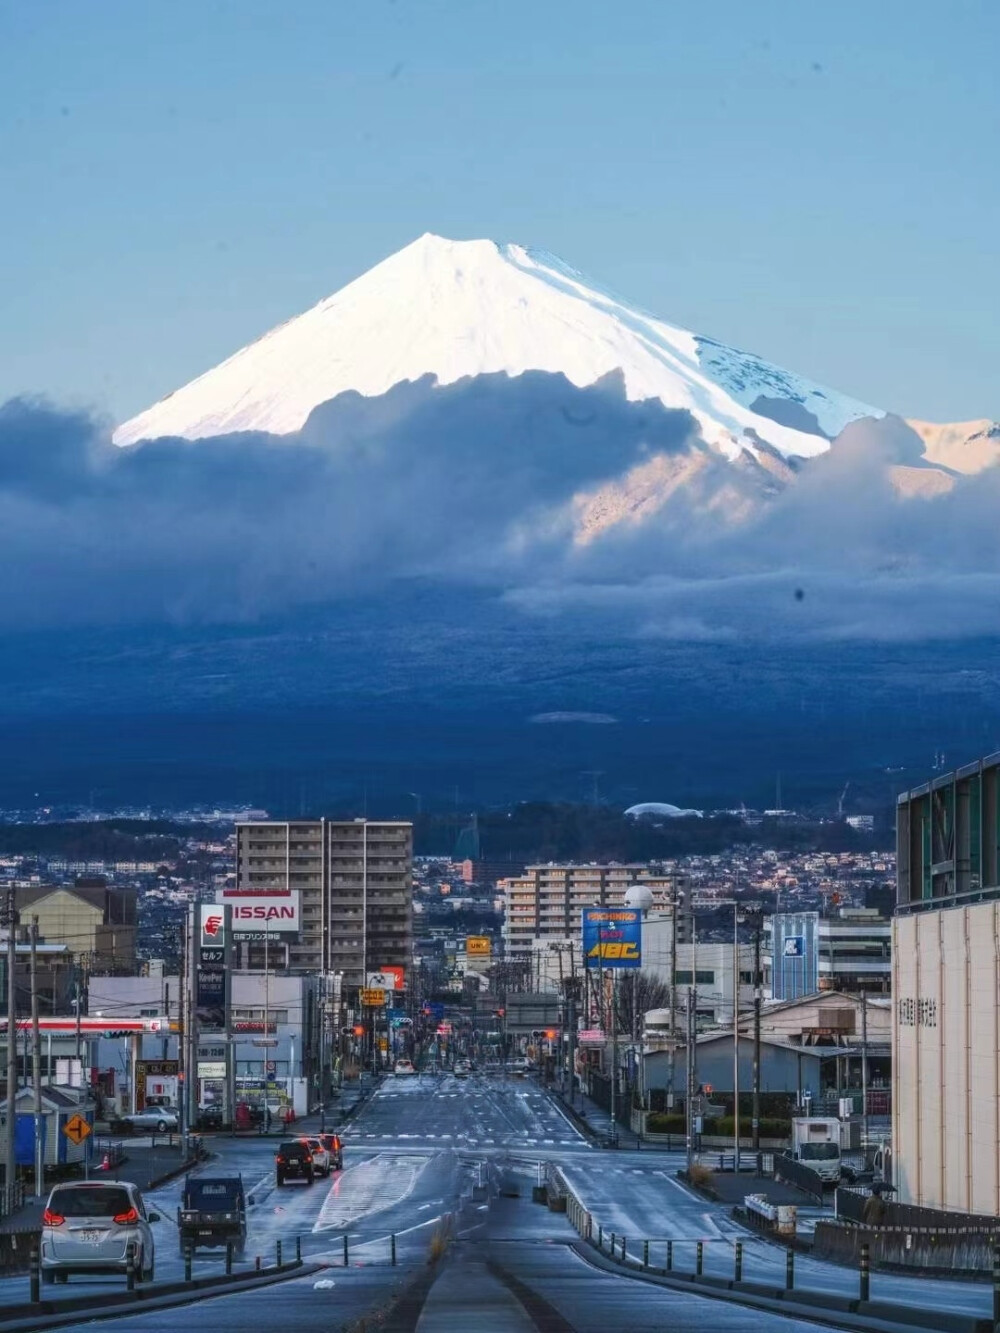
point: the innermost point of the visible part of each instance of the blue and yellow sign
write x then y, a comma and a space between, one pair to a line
612, 937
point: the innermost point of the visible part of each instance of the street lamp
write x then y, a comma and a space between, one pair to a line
639, 898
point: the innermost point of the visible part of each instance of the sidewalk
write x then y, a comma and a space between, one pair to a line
142, 1165
593, 1120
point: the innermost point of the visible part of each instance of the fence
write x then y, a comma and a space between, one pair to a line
797, 1173
755, 1270
17, 1201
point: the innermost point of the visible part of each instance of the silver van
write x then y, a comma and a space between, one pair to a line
94, 1227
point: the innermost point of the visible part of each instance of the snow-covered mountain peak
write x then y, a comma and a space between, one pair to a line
453, 309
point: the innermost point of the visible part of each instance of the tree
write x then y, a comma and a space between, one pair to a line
649, 990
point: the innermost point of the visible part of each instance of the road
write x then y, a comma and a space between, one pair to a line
412, 1157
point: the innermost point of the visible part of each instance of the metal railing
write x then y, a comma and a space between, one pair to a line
797, 1173
741, 1264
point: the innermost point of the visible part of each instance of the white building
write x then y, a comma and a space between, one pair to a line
708, 967
946, 992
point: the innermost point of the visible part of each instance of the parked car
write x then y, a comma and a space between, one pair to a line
404, 1068
213, 1211
331, 1142
321, 1158
155, 1119
210, 1117
95, 1227
293, 1160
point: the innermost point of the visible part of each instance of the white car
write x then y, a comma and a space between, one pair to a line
96, 1227
159, 1119
404, 1068
321, 1156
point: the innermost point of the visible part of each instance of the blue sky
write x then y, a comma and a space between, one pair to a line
815, 182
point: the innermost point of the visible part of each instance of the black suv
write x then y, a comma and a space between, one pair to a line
294, 1160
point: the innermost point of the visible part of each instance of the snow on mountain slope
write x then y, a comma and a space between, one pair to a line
463, 308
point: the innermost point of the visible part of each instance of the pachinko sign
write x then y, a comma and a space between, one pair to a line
612, 937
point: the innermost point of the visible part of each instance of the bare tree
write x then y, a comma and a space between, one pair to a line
650, 992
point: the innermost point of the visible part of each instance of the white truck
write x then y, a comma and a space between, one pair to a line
816, 1144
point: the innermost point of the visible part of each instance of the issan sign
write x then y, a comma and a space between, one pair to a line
258, 914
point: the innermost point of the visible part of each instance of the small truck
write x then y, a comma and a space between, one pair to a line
816, 1143
213, 1211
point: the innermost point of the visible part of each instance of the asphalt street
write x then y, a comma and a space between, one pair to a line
411, 1159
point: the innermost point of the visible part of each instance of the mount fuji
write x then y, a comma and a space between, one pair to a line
460, 309
436, 528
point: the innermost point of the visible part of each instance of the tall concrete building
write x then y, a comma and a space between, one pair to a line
354, 879
547, 901
946, 992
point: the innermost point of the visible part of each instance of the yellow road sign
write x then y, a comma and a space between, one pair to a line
76, 1129
373, 998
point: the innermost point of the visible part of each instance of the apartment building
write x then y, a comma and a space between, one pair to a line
547, 901
355, 884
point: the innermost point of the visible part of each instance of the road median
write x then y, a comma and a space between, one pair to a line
28, 1316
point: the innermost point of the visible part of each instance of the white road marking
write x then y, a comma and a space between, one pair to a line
369, 1188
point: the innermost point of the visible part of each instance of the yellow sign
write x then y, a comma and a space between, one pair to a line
374, 999
76, 1129
383, 1043
614, 950
478, 946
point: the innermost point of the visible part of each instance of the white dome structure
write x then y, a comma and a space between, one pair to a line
660, 810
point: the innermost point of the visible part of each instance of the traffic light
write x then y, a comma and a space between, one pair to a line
551, 1034
358, 1030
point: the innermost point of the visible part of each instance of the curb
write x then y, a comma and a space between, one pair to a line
176, 1171
828, 1308
52, 1314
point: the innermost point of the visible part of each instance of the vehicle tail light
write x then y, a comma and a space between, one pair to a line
127, 1218
280, 1160
308, 1157
51, 1219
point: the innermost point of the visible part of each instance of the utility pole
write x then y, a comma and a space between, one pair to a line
672, 1055
614, 1053
36, 1063
690, 1081
736, 1039
864, 1072
757, 997
10, 917
182, 1071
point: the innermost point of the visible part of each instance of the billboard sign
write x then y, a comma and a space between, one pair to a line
213, 926
263, 914
795, 944
372, 998
387, 978
612, 937
478, 946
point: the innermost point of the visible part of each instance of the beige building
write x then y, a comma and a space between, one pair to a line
95, 922
547, 901
355, 878
946, 992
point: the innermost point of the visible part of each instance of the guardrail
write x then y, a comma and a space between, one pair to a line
798, 1174
17, 1201
107, 1154
747, 1272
